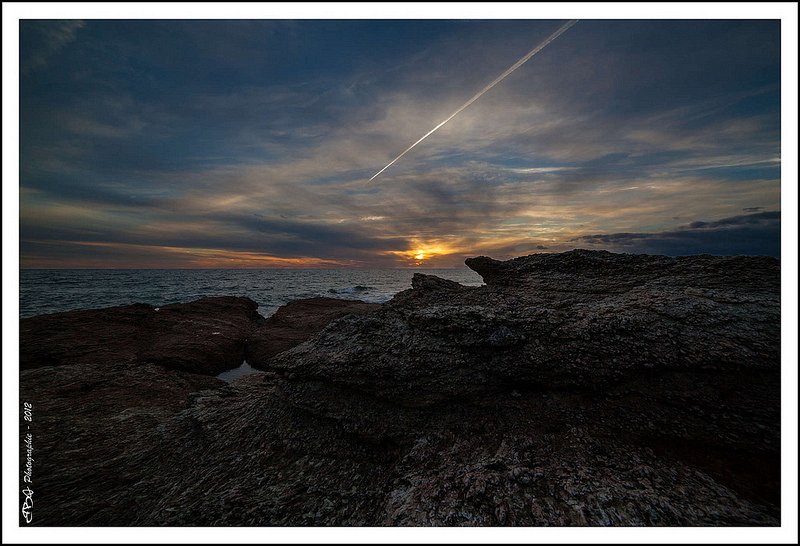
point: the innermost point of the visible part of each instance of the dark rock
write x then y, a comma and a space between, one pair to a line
102, 381
486, 267
503, 337
211, 332
583, 388
554, 323
90, 420
204, 336
296, 322
421, 281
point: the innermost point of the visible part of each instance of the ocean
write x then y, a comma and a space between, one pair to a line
54, 290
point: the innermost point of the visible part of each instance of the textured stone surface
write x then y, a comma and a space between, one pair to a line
295, 322
583, 388
203, 336
579, 320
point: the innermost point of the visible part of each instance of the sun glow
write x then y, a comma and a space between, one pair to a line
426, 252
423, 252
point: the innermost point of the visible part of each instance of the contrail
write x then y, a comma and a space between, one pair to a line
480, 93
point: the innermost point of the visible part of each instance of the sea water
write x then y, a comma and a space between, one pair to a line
54, 290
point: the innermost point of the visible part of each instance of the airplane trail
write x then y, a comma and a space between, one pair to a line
480, 93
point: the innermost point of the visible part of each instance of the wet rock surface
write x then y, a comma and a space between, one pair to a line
583, 388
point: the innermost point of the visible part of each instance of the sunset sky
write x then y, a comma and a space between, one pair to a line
251, 143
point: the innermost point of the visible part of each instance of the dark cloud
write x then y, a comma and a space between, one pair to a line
259, 136
752, 234
281, 238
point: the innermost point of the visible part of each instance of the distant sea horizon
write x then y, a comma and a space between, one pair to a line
50, 290
417, 268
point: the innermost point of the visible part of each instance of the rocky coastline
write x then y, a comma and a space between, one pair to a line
581, 388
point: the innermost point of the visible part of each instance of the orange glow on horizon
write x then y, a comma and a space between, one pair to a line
421, 253
418, 253
152, 256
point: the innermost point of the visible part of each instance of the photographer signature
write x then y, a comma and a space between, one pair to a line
27, 506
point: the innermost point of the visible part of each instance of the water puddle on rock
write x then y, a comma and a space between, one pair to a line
237, 373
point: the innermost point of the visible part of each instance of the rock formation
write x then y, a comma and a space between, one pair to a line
205, 336
584, 388
295, 322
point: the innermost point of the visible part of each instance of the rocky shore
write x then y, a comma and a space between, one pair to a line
583, 388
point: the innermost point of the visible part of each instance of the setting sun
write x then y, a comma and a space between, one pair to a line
399, 270
424, 251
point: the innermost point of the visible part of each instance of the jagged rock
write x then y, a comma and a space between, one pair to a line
579, 320
583, 388
678, 355
486, 267
295, 322
431, 282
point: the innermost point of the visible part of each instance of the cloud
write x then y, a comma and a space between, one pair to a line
41, 40
254, 137
752, 234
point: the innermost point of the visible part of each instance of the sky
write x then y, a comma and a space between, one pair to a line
180, 144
